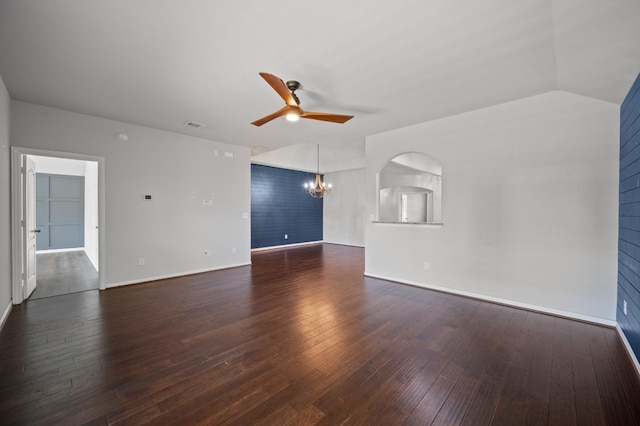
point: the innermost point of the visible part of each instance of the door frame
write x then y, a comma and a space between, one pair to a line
17, 236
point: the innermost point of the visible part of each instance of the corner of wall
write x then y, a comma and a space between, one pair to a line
5, 205
628, 286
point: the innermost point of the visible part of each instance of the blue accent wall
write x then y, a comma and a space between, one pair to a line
280, 205
629, 221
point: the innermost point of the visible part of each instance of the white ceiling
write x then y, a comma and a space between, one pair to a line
160, 63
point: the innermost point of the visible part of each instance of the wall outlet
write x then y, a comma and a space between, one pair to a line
233, 250
624, 307
141, 261
426, 266
206, 252
286, 236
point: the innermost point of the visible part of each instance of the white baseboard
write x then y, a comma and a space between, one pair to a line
305, 244
527, 306
5, 314
59, 250
627, 346
180, 274
310, 243
343, 244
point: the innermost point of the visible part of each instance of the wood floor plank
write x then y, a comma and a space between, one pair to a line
589, 408
615, 410
562, 404
302, 337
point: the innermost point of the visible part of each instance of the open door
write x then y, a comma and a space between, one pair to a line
29, 228
24, 228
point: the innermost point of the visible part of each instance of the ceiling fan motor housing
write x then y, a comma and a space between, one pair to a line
293, 86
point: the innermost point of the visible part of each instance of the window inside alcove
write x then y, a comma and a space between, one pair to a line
410, 189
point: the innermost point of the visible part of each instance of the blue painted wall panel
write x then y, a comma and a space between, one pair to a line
631, 132
280, 206
629, 221
631, 100
630, 155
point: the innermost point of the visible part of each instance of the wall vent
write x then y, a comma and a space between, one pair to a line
193, 124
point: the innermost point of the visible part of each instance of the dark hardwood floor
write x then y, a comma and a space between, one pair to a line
62, 273
301, 337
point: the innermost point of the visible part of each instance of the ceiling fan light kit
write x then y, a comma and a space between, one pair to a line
292, 110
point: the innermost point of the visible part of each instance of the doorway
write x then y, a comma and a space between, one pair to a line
416, 207
70, 254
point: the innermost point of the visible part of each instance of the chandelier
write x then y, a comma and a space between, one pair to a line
318, 188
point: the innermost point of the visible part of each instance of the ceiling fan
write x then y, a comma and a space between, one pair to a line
292, 108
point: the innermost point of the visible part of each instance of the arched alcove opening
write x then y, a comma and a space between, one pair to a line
410, 189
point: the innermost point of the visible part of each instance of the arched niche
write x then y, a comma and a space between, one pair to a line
410, 189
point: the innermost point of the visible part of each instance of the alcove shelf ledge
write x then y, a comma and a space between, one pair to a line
433, 225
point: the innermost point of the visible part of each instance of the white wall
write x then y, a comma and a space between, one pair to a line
180, 172
530, 194
5, 211
343, 209
333, 157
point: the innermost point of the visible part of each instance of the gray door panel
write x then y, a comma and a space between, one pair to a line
60, 211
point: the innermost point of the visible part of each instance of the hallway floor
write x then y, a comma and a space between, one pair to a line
63, 273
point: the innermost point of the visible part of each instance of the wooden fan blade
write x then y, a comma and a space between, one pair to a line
281, 112
279, 86
325, 116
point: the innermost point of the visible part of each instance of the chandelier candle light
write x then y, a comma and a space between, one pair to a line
318, 188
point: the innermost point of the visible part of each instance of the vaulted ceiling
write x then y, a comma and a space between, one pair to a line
161, 63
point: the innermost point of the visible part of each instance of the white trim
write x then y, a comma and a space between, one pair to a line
287, 246
16, 227
5, 314
627, 346
343, 244
181, 274
527, 306
64, 250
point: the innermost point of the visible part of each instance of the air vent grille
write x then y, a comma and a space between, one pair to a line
193, 124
